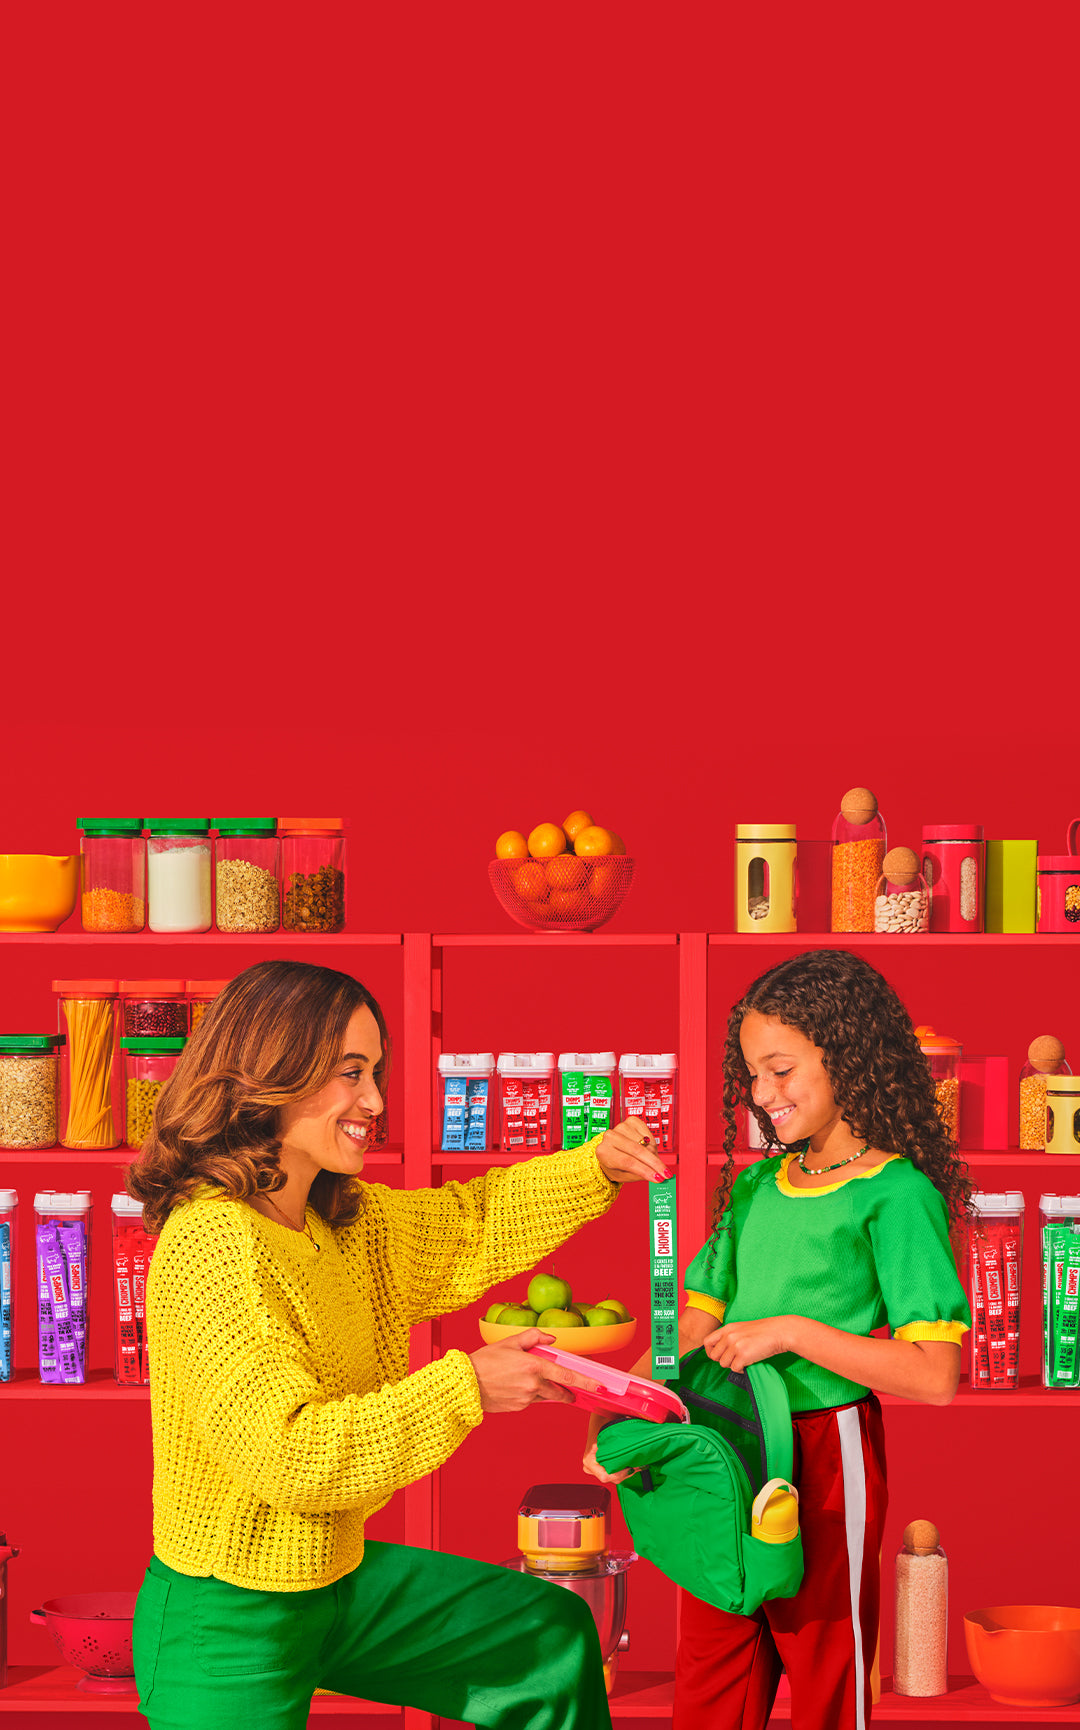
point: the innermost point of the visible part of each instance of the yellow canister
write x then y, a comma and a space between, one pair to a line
1063, 1114
561, 1545
765, 877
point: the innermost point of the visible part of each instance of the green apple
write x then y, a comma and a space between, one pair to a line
494, 1311
547, 1292
599, 1316
620, 1308
578, 1309
554, 1318
516, 1316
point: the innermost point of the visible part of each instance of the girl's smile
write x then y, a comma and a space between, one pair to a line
788, 1081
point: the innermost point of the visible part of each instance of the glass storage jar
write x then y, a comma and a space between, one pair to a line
1045, 1057
902, 898
312, 873
91, 1085
921, 1620
1063, 1114
178, 868
112, 864
247, 874
765, 877
1059, 1231
63, 1245
148, 1064
154, 1008
9, 1284
954, 865
943, 1055
858, 853
200, 994
29, 1089
1058, 886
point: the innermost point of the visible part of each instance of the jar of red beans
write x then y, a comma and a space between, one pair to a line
112, 865
312, 873
154, 1008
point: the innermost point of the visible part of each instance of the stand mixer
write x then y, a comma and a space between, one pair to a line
563, 1537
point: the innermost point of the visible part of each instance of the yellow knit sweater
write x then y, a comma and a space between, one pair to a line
283, 1412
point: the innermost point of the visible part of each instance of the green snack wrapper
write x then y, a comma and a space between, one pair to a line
574, 1110
599, 1093
663, 1251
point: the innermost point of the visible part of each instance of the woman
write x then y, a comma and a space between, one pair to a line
279, 1303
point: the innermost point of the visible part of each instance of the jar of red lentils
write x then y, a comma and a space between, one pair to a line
112, 870
312, 873
858, 853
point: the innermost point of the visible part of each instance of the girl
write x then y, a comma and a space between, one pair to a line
842, 1231
279, 1303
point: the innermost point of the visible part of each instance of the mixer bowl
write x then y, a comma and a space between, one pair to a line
604, 1590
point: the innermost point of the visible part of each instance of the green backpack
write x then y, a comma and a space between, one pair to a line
712, 1503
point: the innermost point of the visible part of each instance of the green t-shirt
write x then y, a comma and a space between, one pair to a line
869, 1250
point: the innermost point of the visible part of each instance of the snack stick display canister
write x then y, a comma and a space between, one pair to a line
526, 1084
954, 865
247, 874
943, 1054
465, 1080
312, 873
62, 1245
1059, 1230
112, 874
91, 1084
902, 897
1058, 886
131, 1249
9, 1240
995, 1258
859, 845
648, 1089
148, 1064
920, 1666
153, 1008
587, 1094
1063, 1114
765, 877
200, 995
1045, 1057
178, 873
663, 1279
29, 1089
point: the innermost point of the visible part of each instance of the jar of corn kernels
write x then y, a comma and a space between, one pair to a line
943, 1055
858, 854
1046, 1057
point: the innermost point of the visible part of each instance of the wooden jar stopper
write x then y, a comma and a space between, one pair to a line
901, 866
858, 805
921, 1537
1045, 1053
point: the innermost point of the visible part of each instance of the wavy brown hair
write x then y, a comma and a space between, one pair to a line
274, 1035
880, 1078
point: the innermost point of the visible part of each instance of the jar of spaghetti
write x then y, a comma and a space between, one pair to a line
902, 898
247, 874
858, 854
943, 1055
63, 1244
1063, 1114
112, 863
200, 995
1045, 1057
29, 1089
91, 1085
312, 873
178, 869
954, 865
154, 1008
148, 1064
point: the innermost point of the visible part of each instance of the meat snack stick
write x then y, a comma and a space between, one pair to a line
980, 1358
1012, 1304
45, 1239
995, 1314
67, 1352
73, 1244
7, 1359
1065, 1365
127, 1341
142, 1248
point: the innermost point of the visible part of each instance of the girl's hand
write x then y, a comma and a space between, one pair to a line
737, 1344
592, 1465
628, 1152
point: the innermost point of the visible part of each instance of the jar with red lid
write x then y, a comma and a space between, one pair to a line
954, 865
200, 995
154, 1008
91, 1087
312, 873
112, 873
1059, 886
943, 1054
859, 844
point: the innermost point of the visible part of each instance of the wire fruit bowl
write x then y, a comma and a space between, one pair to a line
562, 894
92, 1632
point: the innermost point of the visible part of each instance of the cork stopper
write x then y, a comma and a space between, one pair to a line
900, 865
1045, 1053
921, 1538
858, 805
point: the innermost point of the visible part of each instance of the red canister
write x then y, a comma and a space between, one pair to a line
954, 865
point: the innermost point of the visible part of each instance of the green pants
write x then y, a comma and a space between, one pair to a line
408, 1627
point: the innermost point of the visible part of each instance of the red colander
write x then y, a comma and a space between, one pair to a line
92, 1632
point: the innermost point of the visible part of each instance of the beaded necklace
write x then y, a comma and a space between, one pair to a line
819, 1171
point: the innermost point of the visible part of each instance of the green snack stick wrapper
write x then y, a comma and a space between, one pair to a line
599, 1091
574, 1111
663, 1253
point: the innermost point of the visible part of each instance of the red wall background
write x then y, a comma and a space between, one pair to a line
455, 416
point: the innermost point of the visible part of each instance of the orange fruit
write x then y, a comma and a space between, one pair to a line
566, 872
602, 881
592, 843
618, 845
511, 845
575, 823
530, 882
566, 903
546, 840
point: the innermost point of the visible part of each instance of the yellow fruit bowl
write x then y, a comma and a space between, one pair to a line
585, 1342
564, 893
37, 890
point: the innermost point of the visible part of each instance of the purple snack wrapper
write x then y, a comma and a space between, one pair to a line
73, 1243
66, 1350
46, 1241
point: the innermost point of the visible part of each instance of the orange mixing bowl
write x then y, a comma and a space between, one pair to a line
1026, 1654
37, 890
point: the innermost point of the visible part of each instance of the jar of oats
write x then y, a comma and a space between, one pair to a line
29, 1089
312, 873
954, 865
943, 1054
858, 855
1045, 1057
247, 874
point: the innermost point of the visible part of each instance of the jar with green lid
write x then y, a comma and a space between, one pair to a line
178, 868
247, 874
112, 862
148, 1064
29, 1089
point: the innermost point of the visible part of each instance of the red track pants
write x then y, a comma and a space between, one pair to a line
728, 1667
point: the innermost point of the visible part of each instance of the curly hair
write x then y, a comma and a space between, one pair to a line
879, 1077
272, 1036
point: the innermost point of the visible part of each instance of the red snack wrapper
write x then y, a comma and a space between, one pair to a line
127, 1341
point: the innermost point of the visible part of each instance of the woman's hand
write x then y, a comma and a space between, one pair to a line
628, 1152
737, 1344
510, 1378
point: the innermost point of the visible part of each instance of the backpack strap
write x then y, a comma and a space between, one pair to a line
764, 1388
